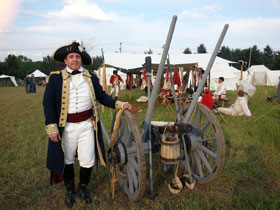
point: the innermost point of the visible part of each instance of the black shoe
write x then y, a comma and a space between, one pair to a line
269, 99
82, 193
70, 196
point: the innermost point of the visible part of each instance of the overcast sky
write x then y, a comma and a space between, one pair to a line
35, 28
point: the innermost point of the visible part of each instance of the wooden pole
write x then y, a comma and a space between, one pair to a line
241, 68
104, 82
130, 86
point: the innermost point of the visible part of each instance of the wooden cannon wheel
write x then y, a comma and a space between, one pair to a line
205, 144
131, 169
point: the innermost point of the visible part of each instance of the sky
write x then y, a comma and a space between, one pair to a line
35, 28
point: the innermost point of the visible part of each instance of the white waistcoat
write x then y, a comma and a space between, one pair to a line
79, 94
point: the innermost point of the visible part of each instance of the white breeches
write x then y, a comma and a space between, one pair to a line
226, 111
115, 88
79, 137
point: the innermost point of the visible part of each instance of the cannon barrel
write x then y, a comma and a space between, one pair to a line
148, 117
205, 75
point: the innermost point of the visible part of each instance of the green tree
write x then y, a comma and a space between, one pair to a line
187, 51
97, 62
276, 65
225, 53
268, 57
48, 64
12, 65
3, 68
201, 49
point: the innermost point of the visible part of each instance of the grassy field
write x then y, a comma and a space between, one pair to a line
250, 179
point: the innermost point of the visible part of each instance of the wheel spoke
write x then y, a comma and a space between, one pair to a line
133, 162
134, 176
125, 131
204, 160
198, 118
206, 139
130, 182
198, 163
205, 126
209, 152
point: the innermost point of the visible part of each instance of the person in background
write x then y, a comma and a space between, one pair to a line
115, 83
72, 119
27, 83
221, 91
33, 84
239, 108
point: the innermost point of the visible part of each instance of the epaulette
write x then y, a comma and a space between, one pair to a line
52, 72
55, 72
92, 71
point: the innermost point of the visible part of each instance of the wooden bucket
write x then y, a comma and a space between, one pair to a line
170, 149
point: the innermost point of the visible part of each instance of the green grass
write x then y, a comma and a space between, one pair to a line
250, 178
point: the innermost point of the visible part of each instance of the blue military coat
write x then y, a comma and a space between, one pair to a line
55, 104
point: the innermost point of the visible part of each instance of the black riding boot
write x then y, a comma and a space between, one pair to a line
116, 97
69, 184
84, 180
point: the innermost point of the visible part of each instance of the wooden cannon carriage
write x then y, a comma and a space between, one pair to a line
196, 134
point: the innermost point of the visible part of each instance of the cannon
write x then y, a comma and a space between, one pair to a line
193, 140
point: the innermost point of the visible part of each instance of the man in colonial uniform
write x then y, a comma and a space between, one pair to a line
115, 83
72, 120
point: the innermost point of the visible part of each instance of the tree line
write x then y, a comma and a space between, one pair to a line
20, 65
251, 56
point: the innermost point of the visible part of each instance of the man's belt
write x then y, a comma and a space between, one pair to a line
79, 117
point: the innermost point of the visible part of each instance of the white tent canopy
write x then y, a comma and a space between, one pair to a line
259, 74
220, 67
134, 61
258, 68
12, 78
273, 77
38, 73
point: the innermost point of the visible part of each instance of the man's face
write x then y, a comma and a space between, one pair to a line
73, 61
220, 81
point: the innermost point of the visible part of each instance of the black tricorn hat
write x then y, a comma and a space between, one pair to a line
75, 47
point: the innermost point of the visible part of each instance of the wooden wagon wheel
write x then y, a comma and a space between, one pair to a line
129, 157
205, 144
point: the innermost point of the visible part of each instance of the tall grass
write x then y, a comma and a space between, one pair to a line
250, 179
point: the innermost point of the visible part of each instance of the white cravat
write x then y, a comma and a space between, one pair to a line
75, 79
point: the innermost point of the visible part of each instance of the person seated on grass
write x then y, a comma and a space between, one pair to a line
221, 91
239, 108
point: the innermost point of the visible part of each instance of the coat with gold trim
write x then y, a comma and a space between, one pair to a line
55, 104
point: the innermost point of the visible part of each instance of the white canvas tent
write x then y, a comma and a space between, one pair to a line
259, 74
38, 73
273, 77
12, 78
135, 61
